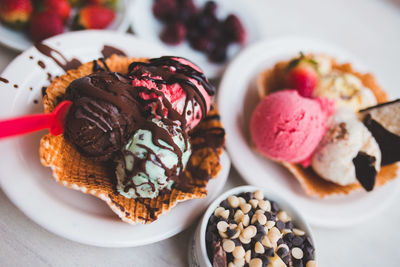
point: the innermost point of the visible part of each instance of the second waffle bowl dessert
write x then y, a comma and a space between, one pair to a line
315, 119
141, 134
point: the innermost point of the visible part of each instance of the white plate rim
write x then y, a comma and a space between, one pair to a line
255, 53
10, 155
142, 23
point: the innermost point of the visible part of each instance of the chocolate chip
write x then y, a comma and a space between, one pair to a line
309, 242
289, 225
265, 259
282, 252
258, 237
288, 237
213, 219
260, 228
308, 255
251, 213
225, 204
286, 259
274, 206
247, 246
280, 225
268, 215
247, 196
297, 263
269, 252
237, 242
230, 232
297, 241
280, 241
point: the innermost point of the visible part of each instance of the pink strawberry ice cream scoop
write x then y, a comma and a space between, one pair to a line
173, 81
288, 127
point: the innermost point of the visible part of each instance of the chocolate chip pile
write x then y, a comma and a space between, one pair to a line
249, 230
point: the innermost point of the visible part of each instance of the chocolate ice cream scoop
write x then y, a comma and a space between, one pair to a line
103, 115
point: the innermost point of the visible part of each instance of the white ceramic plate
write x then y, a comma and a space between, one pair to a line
30, 186
146, 26
236, 100
20, 41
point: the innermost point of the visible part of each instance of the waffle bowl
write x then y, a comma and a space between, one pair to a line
272, 80
73, 170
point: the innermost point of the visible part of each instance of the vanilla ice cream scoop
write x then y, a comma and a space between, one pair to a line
346, 89
348, 152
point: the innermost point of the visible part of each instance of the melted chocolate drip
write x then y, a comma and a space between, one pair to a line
172, 71
41, 64
388, 142
108, 51
50, 52
107, 111
4, 80
365, 170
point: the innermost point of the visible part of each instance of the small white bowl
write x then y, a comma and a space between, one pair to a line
197, 254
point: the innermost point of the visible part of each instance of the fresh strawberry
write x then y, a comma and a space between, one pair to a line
94, 17
302, 75
44, 25
60, 7
15, 13
107, 3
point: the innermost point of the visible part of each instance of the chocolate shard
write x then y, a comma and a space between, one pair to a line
365, 170
219, 258
388, 142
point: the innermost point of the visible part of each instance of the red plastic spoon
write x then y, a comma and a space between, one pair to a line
53, 121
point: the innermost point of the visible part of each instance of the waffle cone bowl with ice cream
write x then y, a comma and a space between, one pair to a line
360, 92
79, 162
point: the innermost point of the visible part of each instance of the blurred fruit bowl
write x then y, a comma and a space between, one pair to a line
24, 22
207, 32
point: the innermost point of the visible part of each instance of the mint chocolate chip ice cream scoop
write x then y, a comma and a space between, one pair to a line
152, 159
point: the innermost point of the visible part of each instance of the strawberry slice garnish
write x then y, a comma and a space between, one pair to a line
302, 75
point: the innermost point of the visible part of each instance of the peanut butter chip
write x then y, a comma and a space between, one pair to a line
225, 214
233, 201
266, 242
246, 220
247, 256
297, 253
261, 219
253, 203
311, 264
238, 252
256, 262
238, 216
283, 216
298, 232
245, 207
222, 226
259, 195
264, 205
228, 245
239, 262
259, 248
218, 211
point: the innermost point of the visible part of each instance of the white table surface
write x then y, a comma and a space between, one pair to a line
369, 29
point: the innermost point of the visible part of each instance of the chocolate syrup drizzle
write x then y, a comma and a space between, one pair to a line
51, 52
108, 102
